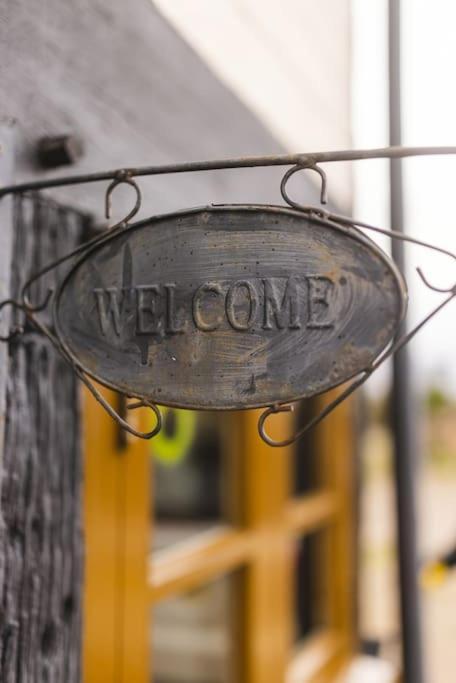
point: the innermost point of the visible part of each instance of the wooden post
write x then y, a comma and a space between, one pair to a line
40, 533
6, 246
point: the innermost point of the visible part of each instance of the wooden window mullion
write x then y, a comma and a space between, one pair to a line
335, 443
267, 578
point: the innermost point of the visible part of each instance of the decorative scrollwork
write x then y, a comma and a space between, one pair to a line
123, 178
29, 309
296, 163
139, 403
323, 190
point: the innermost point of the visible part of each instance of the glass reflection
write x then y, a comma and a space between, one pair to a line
311, 585
188, 472
306, 462
193, 636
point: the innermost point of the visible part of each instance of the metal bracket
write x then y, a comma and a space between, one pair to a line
297, 162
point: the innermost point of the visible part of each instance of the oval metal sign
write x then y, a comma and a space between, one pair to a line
229, 307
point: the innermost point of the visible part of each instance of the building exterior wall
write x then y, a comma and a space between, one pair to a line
289, 62
119, 76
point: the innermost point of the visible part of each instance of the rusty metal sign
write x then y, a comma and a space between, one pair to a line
229, 307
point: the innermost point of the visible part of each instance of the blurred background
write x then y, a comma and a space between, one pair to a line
317, 77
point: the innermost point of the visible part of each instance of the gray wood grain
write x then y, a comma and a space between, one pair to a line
40, 533
7, 153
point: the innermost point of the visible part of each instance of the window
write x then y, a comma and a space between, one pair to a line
259, 570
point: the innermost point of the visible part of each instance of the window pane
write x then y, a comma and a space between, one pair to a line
311, 584
193, 636
307, 465
189, 459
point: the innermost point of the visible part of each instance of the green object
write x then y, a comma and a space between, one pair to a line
170, 448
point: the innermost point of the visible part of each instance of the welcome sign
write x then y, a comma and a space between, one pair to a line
229, 307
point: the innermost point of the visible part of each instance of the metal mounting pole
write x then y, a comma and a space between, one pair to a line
402, 407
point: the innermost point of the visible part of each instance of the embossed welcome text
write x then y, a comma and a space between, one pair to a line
241, 305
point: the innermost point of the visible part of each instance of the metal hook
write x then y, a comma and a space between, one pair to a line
393, 348
323, 192
273, 410
122, 177
26, 304
350, 222
140, 403
443, 290
362, 377
315, 420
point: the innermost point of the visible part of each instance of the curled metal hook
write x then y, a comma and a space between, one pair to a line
26, 305
315, 420
442, 290
140, 403
143, 403
392, 349
123, 177
323, 192
355, 384
273, 410
351, 222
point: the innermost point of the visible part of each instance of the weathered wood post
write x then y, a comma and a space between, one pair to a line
40, 446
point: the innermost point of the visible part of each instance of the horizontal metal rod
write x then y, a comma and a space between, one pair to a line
305, 159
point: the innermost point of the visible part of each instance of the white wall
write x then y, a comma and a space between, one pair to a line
288, 60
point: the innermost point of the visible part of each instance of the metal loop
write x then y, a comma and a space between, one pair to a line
323, 191
120, 420
93, 390
123, 177
315, 420
143, 403
26, 305
273, 410
356, 383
